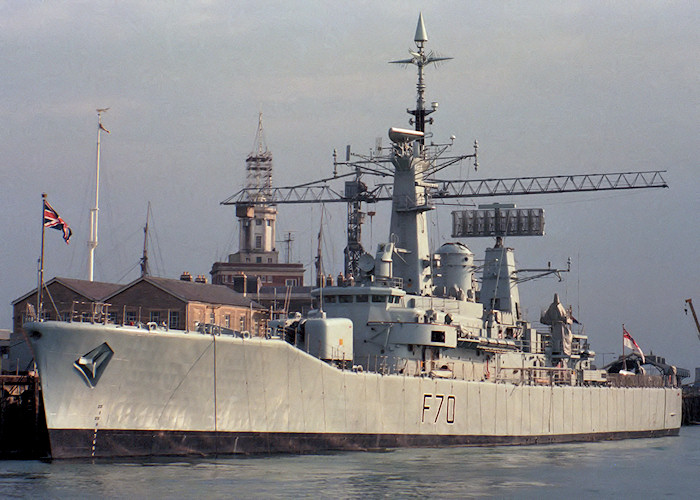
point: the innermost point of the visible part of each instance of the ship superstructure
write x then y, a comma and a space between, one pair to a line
423, 313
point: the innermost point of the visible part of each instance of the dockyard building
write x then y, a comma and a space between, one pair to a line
184, 304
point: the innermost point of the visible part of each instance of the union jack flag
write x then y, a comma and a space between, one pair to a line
52, 219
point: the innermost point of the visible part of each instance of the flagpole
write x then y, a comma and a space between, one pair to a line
624, 359
40, 287
92, 242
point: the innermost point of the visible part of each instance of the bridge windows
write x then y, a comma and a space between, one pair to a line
437, 336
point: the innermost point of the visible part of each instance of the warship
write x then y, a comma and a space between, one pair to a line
410, 349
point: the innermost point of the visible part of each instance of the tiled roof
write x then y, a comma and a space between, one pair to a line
94, 290
187, 291
190, 291
91, 290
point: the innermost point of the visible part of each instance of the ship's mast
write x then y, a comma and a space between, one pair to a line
92, 242
320, 275
408, 227
420, 59
144, 259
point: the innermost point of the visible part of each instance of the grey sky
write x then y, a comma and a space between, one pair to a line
547, 88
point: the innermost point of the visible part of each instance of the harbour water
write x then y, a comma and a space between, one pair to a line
637, 468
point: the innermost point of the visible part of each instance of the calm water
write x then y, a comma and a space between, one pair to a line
646, 468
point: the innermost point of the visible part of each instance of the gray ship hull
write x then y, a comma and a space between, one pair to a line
175, 393
75, 443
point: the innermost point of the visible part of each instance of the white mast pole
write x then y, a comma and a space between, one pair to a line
92, 242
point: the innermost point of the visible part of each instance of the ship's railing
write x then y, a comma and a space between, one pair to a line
537, 375
78, 312
93, 312
100, 313
640, 380
522, 376
390, 282
382, 365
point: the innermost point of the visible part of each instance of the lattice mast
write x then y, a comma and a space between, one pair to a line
257, 214
258, 166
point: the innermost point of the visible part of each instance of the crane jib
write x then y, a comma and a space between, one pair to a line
323, 193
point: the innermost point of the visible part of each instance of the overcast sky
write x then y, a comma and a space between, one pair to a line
548, 88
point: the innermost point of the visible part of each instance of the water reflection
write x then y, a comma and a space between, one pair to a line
664, 466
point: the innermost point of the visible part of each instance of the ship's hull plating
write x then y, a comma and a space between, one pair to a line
77, 443
171, 393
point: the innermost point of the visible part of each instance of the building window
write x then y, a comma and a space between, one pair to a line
345, 298
155, 316
174, 320
362, 298
130, 318
258, 242
258, 260
112, 317
269, 260
269, 222
290, 282
258, 222
242, 323
227, 321
212, 318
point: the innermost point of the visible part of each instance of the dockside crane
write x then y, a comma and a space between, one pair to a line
355, 192
689, 303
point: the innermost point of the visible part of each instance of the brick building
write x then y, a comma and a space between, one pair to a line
64, 299
183, 304
176, 303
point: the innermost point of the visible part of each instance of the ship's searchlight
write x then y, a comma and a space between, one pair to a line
399, 135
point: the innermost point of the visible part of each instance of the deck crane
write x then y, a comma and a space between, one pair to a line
377, 164
689, 302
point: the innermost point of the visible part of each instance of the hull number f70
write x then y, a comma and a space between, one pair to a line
437, 407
